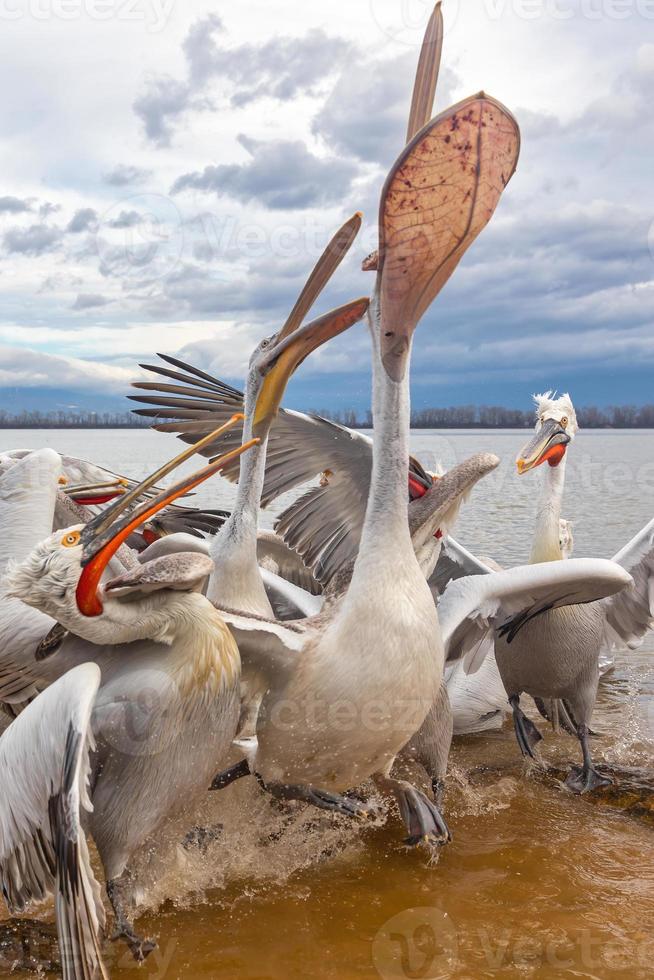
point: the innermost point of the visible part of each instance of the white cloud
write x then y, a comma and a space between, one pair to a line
122, 269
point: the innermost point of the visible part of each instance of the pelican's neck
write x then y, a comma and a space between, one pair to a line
547, 537
206, 659
236, 580
385, 536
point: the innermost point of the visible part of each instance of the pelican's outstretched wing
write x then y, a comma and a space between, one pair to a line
471, 608
44, 766
300, 447
28, 494
630, 614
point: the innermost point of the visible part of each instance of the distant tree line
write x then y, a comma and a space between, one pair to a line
495, 417
456, 417
71, 419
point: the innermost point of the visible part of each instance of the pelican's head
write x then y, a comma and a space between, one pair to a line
133, 605
433, 515
67, 576
277, 357
556, 427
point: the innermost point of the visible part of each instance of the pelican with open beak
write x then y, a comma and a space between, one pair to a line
290, 349
147, 630
548, 445
102, 537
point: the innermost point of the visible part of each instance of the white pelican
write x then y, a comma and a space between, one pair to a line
237, 579
85, 756
297, 445
377, 647
90, 486
550, 646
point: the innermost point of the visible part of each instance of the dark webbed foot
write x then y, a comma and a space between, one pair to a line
140, 948
422, 818
582, 780
526, 732
349, 806
227, 776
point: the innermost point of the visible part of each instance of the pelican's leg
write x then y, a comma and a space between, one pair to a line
349, 806
140, 948
587, 778
422, 818
526, 732
430, 746
230, 775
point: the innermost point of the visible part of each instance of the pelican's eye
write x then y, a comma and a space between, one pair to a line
71, 539
564, 421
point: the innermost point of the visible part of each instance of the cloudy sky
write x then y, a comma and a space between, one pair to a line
171, 169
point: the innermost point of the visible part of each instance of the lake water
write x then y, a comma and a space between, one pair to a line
536, 883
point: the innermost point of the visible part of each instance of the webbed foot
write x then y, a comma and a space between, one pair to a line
586, 778
423, 819
581, 780
349, 806
139, 948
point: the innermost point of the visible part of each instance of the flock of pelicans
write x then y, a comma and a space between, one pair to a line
358, 632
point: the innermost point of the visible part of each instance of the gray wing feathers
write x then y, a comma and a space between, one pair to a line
299, 447
28, 494
455, 562
472, 607
630, 614
275, 555
44, 759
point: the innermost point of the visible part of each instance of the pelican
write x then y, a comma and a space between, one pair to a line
377, 645
550, 645
84, 756
237, 578
90, 486
295, 448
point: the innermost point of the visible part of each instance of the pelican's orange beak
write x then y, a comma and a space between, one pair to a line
101, 544
289, 352
548, 446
